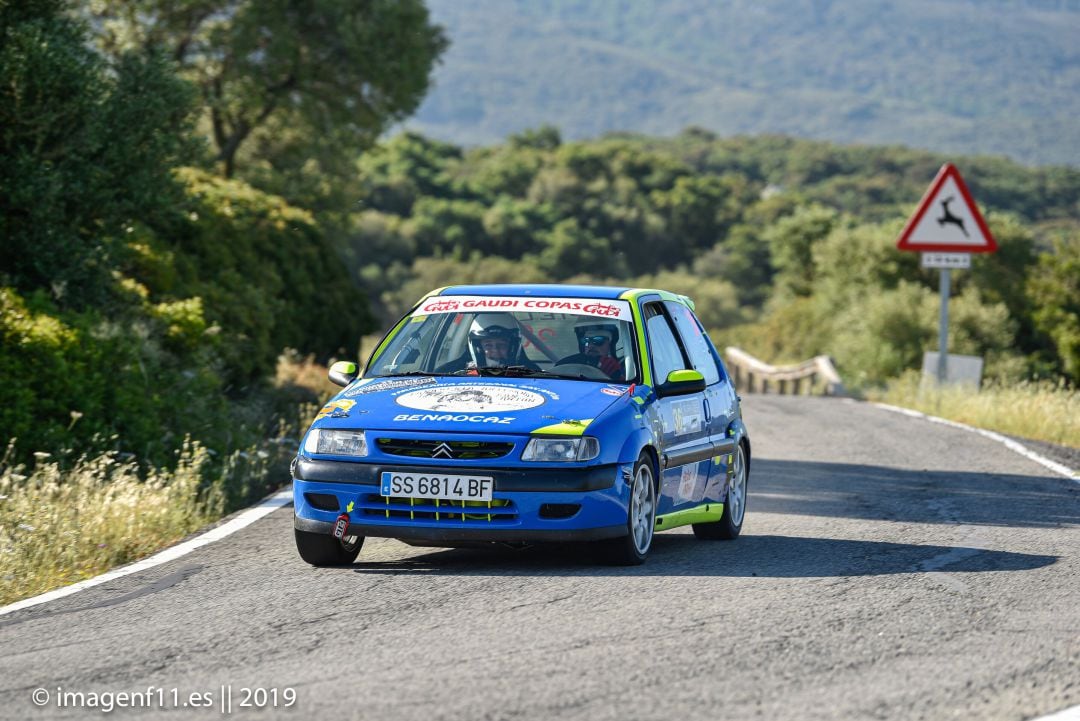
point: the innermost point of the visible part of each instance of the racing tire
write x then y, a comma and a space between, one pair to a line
730, 524
322, 549
633, 548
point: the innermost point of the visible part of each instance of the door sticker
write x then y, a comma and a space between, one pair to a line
687, 416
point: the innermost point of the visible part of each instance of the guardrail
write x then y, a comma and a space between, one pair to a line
756, 376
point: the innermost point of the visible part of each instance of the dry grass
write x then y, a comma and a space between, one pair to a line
304, 373
63, 523
58, 527
1042, 411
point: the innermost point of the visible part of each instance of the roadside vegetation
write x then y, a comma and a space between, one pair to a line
1043, 411
159, 258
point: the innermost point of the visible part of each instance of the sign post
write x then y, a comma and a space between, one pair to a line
946, 238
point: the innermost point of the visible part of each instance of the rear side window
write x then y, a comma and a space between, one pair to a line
695, 342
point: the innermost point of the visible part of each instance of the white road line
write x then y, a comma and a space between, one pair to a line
1070, 714
1008, 442
244, 519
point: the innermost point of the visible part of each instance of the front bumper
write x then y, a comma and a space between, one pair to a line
589, 504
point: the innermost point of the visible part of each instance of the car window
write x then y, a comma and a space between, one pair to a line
694, 341
666, 354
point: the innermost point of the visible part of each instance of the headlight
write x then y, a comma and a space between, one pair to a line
336, 443
549, 450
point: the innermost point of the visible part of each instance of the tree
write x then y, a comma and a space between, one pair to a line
1055, 291
791, 242
312, 70
86, 148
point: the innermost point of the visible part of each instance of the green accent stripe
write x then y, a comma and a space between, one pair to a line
639, 326
705, 513
566, 428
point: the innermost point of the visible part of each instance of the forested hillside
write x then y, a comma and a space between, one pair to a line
787, 245
960, 76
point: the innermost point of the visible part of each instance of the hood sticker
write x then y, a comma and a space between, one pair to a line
460, 418
394, 384
569, 427
336, 409
474, 398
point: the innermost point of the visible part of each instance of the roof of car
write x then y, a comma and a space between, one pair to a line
540, 289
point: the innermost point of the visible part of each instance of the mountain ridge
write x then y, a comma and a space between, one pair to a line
956, 76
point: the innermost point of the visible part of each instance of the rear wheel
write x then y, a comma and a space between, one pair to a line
322, 549
631, 549
730, 524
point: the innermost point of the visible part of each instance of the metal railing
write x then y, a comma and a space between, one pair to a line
756, 376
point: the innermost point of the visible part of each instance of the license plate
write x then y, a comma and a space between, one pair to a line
436, 485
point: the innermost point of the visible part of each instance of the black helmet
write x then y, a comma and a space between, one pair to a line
487, 326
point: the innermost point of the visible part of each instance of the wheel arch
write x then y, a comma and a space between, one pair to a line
641, 441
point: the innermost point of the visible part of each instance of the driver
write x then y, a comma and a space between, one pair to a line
494, 342
596, 347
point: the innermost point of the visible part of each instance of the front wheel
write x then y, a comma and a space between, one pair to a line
322, 549
631, 549
730, 524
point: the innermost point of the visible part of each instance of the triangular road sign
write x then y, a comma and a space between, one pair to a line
947, 219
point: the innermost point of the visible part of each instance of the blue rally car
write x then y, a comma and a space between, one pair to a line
522, 414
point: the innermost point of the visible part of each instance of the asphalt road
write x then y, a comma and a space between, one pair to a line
889, 568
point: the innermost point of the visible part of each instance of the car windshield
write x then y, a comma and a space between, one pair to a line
577, 338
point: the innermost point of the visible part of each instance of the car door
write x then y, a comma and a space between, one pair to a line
686, 450
720, 403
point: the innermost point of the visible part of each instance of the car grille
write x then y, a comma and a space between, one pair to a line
498, 510
450, 450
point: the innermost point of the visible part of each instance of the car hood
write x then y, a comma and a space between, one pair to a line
468, 405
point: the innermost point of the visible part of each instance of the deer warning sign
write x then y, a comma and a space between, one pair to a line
947, 219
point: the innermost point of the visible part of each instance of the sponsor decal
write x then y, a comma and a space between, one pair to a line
550, 394
617, 309
687, 417
611, 391
606, 310
452, 418
336, 409
440, 306
688, 481
387, 385
341, 526
471, 398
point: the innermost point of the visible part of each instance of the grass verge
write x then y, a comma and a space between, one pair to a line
62, 526
1041, 411
64, 521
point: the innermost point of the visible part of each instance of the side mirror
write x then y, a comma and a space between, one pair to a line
681, 383
343, 373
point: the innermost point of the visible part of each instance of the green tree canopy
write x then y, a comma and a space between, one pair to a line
85, 149
306, 78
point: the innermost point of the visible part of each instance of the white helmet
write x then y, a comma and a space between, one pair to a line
486, 326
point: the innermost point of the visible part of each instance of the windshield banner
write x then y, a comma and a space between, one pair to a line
614, 309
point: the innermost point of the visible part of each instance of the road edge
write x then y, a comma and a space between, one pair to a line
1059, 468
1069, 714
224, 528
